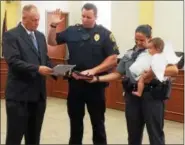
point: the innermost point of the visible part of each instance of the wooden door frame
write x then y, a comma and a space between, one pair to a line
47, 28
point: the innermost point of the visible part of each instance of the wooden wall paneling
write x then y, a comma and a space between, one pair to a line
60, 88
119, 91
114, 95
3, 77
108, 96
49, 86
175, 105
179, 79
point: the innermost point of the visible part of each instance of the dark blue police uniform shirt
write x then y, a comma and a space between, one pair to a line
87, 47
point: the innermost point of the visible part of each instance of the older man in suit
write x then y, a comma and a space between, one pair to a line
25, 51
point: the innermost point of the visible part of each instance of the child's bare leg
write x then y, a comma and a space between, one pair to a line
140, 87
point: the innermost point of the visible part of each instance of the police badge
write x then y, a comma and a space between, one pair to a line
96, 37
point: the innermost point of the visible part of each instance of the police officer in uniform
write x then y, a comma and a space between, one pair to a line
149, 108
92, 48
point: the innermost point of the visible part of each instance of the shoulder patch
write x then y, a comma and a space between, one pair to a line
111, 36
116, 47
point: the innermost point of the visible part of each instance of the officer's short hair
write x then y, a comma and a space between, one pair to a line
144, 29
90, 6
158, 43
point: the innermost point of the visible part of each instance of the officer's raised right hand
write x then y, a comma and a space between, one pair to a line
44, 70
56, 17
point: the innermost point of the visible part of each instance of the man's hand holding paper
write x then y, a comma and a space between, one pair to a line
61, 69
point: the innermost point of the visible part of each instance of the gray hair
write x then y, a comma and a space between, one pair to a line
28, 8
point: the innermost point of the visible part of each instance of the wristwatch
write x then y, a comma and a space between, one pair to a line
53, 26
97, 78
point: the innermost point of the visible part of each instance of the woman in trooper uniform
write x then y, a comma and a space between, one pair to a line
149, 108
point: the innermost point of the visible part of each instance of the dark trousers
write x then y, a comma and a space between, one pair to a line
142, 111
94, 97
24, 119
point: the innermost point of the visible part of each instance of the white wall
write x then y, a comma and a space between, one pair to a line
74, 12
124, 22
168, 22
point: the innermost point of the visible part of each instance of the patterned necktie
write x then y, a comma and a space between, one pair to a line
34, 40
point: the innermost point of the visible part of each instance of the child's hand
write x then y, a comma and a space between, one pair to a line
148, 75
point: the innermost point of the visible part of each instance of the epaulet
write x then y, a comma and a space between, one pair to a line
129, 50
77, 24
103, 29
101, 26
133, 48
